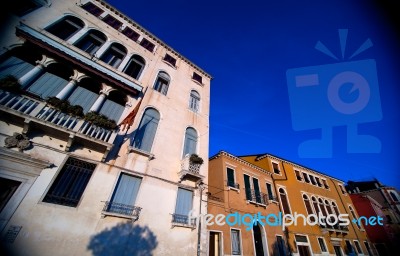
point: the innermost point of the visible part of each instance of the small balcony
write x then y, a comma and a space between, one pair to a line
256, 197
179, 220
31, 113
334, 228
121, 210
189, 170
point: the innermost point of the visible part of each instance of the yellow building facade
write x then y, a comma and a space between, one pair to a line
302, 190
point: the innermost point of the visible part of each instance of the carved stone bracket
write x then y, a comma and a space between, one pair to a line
18, 140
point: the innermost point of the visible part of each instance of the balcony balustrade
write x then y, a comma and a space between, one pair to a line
256, 196
183, 220
44, 116
334, 228
189, 170
121, 210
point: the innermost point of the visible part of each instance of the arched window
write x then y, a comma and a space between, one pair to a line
162, 83
335, 209
308, 205
91, 42
135, 66
144, 135
322, 207
315, 204
190, 141
353, 214
394, 197
114, 55
66, 27
284, 201
194, 102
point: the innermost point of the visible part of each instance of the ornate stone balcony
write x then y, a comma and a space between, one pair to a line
31, 113
190, 171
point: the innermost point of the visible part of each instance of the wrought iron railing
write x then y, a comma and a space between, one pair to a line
256, 196
335, 227
123, 209
273, 198
232, 184
183, 220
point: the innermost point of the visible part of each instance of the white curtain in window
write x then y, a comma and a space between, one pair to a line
190, 141
235, 242
184, 202
126, 190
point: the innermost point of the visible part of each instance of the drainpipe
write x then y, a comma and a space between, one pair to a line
201, 188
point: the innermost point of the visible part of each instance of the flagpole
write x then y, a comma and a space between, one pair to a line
129, 125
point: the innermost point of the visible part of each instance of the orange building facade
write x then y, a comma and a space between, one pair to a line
242, 190
301, 190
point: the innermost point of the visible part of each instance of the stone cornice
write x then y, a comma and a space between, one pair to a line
224, 153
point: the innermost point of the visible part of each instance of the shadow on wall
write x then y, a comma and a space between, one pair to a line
123, 239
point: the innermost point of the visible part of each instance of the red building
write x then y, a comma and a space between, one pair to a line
372, 199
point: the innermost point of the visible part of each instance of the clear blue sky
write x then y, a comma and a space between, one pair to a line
248, 46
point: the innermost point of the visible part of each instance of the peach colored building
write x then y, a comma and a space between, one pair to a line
237, 187
75, 182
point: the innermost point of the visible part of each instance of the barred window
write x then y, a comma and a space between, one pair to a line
68, 187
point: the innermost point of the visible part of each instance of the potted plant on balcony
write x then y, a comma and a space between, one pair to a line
100, 120
10, 84
65, 106
195, 159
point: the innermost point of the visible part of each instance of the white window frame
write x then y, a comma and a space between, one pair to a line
198, 101
273, 170
287, 197
221, 242
251, 187
359, 245
303, 243
319, 245
342, 189
240, 240
301, 177
234, 177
